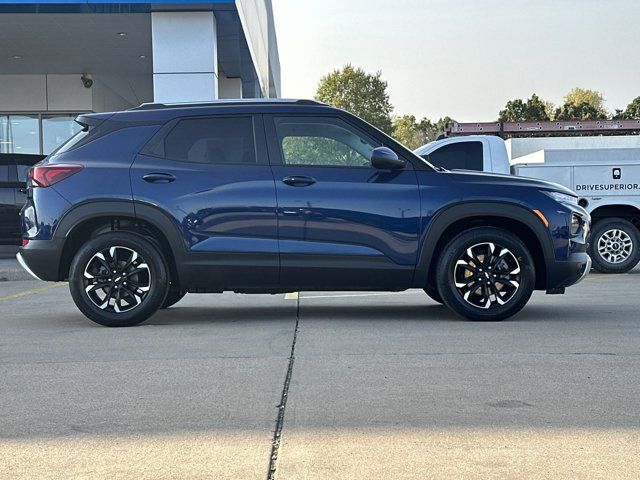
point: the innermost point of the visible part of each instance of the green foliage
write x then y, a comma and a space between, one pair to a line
578, 96
360, 93
582, 104
440, 125
413, 134
632, 112
320, 151
581, 111
530, 110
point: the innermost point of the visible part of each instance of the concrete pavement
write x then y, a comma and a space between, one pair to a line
382, 386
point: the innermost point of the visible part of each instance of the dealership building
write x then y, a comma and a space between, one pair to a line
63, 57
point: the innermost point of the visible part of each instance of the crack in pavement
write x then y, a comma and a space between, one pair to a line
277, 434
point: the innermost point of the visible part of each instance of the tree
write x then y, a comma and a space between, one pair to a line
412, 133
633, 109
577, 96
440, 125
531, 110
360, 93
582, 104
581, 111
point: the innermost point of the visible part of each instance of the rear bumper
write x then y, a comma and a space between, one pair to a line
567, 273
41, 259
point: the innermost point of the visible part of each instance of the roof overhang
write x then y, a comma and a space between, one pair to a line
107, 6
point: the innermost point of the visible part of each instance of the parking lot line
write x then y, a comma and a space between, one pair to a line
31, 292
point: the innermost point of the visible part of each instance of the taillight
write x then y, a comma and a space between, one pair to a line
47, 175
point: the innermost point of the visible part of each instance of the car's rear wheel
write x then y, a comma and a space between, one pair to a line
614, 246
118, 279
486, 274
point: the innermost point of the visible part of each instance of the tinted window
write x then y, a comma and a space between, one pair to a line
460, 155
211, 140
322, 141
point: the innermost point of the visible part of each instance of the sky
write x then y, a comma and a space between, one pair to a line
464, 58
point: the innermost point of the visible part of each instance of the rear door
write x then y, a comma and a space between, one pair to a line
211, 175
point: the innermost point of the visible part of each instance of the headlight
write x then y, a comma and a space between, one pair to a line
576, 224
561, 197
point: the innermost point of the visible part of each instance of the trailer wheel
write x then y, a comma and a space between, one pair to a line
614, 245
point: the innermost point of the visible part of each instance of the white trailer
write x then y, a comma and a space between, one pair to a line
606, 180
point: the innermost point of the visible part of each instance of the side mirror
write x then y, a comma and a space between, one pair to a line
386, 159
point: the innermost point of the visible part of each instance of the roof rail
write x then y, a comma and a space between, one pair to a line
229, 102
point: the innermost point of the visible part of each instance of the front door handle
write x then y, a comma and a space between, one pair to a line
299, 180
158, 178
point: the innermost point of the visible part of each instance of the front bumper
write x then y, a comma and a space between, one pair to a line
564, 274
41, 259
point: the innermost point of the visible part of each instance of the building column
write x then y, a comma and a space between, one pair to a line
185, 56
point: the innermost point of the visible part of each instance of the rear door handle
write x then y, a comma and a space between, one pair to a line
158, 178
299, 180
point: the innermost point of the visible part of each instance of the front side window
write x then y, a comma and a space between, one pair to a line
459, 155
220, 140
322, 141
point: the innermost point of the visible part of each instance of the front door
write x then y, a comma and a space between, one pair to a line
211, 175
342, 224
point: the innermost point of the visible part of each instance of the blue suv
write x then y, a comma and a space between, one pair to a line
271, 196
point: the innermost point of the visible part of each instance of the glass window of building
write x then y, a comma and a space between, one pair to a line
57, 130
19, 134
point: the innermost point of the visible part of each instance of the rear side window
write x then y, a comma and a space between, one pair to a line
219, 140
460, 155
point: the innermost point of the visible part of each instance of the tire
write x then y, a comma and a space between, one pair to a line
614, 245
433, 294
128, 297
174, 295
492, 250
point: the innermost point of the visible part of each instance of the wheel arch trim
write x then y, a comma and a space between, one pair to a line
86, 211
449, 215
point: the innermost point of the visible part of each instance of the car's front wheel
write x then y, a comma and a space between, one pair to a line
486, 274
118, 279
